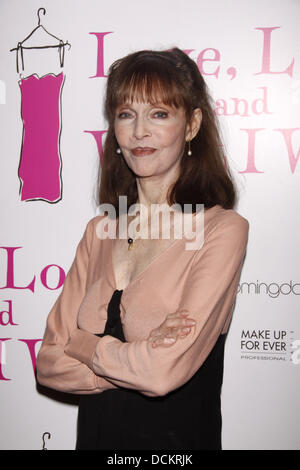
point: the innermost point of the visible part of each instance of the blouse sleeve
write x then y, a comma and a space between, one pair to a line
209, 296
55, 369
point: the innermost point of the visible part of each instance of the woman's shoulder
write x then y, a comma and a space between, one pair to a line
91, 224
101, 227
220, 219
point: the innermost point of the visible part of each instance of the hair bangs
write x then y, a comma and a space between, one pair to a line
149, 86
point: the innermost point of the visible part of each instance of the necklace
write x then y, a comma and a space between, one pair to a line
130, 243
131, 240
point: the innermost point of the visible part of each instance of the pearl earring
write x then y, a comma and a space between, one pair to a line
118, 151
189, 150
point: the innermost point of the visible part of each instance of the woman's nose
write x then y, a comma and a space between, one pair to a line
141, 128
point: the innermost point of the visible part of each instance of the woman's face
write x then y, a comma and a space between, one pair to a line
151, 137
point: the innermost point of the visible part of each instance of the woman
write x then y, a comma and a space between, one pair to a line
140, 325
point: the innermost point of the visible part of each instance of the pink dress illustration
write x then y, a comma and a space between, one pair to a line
40, 162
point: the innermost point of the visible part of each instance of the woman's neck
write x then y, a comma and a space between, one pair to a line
153, 191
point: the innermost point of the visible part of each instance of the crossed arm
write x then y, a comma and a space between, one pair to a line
77, 361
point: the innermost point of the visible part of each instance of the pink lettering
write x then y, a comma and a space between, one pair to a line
100, 54
10, 270
287, 135
31, 348
98, 136
261, 102
9, 320
222, 107
241, 106
266, 55
44, 277
251, 151
201, 59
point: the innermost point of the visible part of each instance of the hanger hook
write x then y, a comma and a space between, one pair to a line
38, 14
49, 437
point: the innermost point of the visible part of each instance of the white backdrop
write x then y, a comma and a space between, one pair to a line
249, 55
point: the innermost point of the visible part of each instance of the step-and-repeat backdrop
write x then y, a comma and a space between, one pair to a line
54, 58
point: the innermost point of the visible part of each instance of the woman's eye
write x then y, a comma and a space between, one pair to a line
124, 115
161, 114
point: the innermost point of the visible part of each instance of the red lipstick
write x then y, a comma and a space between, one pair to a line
142, 151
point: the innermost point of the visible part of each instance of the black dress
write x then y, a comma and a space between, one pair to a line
123, 419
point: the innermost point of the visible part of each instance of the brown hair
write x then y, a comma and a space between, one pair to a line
173, 78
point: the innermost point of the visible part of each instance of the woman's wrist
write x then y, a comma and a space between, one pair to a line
81, 346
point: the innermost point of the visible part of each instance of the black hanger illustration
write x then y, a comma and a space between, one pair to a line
61, 44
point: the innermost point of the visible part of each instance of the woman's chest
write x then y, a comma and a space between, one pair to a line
129, 263
152, 285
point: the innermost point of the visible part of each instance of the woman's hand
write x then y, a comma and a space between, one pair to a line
176, 325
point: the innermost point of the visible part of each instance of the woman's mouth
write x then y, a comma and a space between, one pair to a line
142, 151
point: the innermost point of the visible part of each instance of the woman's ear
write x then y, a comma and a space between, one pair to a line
194, 124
